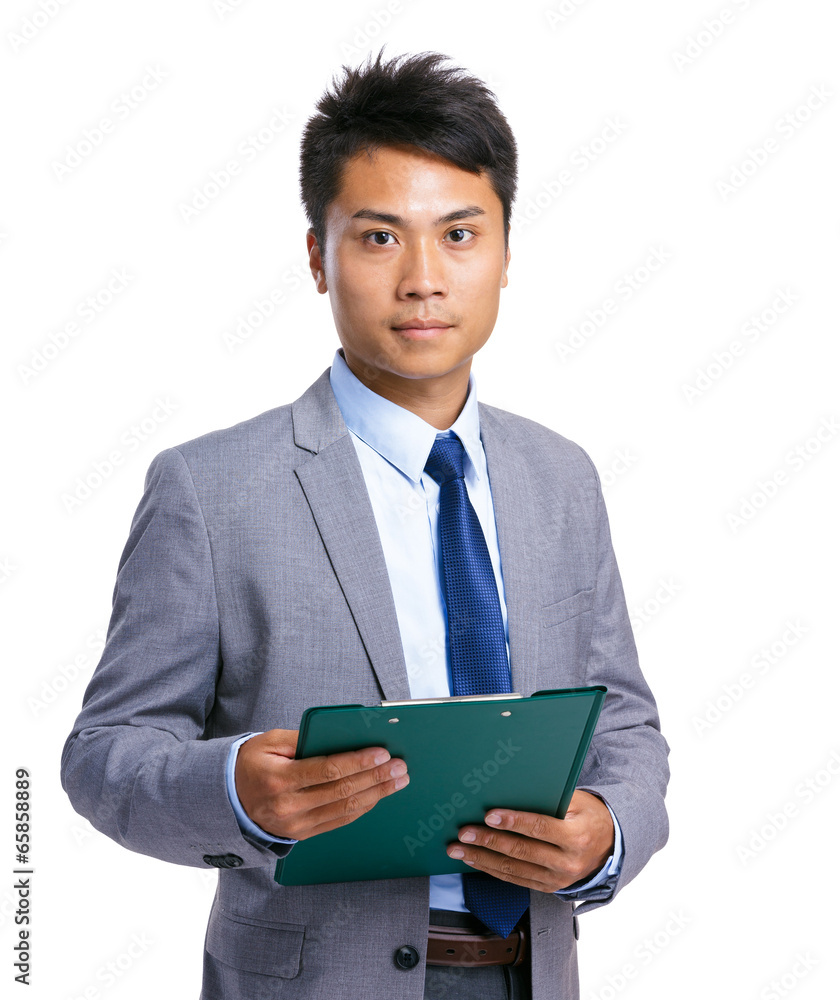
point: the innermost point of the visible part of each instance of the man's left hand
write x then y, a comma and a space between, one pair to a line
540, 852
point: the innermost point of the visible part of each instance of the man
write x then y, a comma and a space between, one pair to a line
296, 559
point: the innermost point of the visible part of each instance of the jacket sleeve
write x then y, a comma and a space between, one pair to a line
141, 762
628, 762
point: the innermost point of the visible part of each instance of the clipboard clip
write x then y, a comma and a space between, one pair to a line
506, 696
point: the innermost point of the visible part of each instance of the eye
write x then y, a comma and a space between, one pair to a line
460, 235
376, 238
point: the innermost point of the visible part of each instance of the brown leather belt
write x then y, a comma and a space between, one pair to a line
462, 946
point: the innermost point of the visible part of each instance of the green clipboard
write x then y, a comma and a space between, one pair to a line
464, 756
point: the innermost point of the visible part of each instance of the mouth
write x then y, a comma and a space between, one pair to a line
422, 329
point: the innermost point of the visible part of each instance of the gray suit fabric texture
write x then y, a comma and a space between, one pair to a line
253, 586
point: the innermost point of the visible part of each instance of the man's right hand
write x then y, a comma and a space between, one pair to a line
300, 798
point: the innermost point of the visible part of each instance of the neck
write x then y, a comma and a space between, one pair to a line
438, 400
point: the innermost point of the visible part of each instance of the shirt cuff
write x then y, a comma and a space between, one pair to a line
248, 827
606, 877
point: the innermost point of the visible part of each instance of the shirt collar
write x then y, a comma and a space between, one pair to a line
398, 435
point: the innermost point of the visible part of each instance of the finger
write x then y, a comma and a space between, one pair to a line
306, 815
570, 851
521, 860
278, 793
340, 813
528, 824
474, 840
350, 786
586, 833
335, 767
506, 868
338, 776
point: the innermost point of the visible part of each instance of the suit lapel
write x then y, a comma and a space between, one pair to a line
331, 477
517, 525
332, 480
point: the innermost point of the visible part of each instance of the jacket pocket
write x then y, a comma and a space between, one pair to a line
268, 949
571, 607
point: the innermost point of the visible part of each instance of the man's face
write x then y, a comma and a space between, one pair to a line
411, 238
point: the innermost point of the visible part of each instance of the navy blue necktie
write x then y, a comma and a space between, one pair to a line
477, 650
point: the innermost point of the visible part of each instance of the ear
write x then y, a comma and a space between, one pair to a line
316, 264
507, 261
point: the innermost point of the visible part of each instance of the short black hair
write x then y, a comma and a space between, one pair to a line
407, 100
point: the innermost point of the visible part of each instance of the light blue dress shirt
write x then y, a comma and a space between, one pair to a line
393, 445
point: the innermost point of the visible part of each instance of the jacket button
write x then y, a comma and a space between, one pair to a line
223, 860
406, 957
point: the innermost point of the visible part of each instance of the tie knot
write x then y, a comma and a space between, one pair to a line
446, 460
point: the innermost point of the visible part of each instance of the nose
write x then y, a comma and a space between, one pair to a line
423, 272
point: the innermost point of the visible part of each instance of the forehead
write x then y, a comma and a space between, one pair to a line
412, 183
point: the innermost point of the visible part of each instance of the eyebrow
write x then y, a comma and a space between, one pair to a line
398, 220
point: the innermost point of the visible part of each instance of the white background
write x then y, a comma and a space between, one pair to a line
718, 558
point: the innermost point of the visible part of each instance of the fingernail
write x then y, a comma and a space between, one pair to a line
399, 768
402, 783
493, 819
456, 852
381, 758
467, 836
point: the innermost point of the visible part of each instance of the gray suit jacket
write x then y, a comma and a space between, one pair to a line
252, 586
